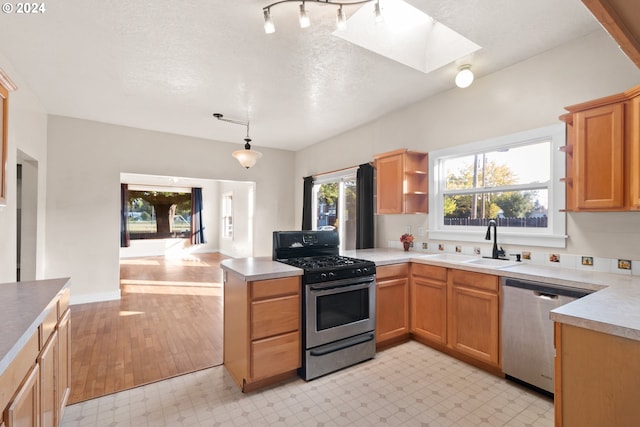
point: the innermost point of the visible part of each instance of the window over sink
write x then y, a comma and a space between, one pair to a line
513, 179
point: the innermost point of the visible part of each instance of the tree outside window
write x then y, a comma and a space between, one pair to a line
509, 185
159, 215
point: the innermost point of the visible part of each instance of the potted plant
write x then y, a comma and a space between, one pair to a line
406, 240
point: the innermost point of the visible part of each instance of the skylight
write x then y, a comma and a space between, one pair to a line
407, 35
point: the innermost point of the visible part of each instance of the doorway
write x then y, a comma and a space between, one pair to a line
27, 217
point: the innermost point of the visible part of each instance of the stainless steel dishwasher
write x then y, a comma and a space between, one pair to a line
527, 331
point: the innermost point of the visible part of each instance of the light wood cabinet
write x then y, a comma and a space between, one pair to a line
474, 315
596, 378
402, 182
24, 410
603, 154
429, 303
262, 327
457, 312
48, 364
392, 304
35, 386
63, 385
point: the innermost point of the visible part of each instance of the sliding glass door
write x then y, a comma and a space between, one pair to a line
334, 206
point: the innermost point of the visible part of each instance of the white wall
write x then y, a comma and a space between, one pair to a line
241, 244
83, 186
27, 133
525, 96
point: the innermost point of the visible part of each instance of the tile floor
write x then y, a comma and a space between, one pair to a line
407, 385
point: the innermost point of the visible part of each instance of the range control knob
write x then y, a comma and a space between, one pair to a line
358, 272
332, 275
323, 276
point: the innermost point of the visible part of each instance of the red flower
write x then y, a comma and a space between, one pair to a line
406, 238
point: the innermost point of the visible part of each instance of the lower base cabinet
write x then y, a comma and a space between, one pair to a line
596, 379
474, 315
392, 304
429, 303
63, 389
457, 312
47, 362
262, 330
24, 410
36, 384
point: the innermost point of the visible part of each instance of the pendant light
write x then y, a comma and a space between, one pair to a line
247, 157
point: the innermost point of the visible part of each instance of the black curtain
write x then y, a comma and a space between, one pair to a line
197, 228
124, 216
364, 207
306, 203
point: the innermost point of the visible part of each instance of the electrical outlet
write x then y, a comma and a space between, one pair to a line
425, 245
407, 229
420, 231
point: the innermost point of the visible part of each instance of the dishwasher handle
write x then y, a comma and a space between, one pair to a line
545, 295
546, 289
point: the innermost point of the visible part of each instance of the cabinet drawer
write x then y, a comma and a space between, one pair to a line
275, 287
275, 316
275, 355
429, 271
471, 279
394, 270
48, 325
63, 302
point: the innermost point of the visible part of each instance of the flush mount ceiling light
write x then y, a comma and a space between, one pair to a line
464, 78
246, 157
341, 17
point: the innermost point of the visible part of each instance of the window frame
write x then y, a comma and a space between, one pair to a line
555, 233
340, 177
227, 215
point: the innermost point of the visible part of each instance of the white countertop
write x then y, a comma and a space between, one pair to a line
258, 268
613, 308
25, 306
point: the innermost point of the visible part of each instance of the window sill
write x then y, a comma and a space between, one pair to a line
504, 237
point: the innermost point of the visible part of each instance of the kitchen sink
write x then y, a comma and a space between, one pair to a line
470, 259
452, 257
492, 262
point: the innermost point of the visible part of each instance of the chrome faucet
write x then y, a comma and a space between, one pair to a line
493, 223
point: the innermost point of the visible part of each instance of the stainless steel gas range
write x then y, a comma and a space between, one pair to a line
339, 301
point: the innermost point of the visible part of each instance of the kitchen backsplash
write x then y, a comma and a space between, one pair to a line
550, 258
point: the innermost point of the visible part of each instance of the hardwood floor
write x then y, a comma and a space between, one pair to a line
168, 322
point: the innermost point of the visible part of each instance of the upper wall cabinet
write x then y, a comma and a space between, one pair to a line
402, 182
603, 154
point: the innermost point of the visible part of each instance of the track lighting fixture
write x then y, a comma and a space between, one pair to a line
341, 18
464, 78
246, 157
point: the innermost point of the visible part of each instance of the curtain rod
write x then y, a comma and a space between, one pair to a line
317, 175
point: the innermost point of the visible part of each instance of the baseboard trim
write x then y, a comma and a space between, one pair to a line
97, 297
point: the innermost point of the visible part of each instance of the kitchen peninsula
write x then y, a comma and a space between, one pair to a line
34, 352
602, 328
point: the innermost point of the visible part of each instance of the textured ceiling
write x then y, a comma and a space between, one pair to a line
167, 65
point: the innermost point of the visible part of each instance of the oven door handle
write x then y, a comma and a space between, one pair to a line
342, 284
350, 342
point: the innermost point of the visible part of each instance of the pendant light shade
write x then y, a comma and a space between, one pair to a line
247, 157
